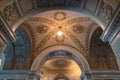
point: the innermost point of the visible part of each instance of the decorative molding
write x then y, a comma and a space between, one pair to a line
75, 40
10, 13
43, 20
77, 56
78, 28
41, 28
43, 42
113, 26
87, 40
106, 12
19, 74
32, 34
102, 75
75, 20
6, 31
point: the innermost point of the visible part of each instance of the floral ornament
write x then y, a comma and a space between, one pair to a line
42, 28
78, 28
10, 13
60, 16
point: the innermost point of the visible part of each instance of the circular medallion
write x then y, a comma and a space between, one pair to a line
60, 16
60, 62
42, 28
78, 28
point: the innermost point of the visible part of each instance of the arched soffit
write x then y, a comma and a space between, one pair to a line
2, 61
18, 54
30, 32
101, 23
101, 56
16, 12
78, 57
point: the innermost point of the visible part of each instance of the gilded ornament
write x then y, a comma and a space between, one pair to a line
78, 28
42, 28
10, 13
60, 16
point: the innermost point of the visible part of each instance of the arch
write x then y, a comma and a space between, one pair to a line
19, 53
83, 63
89, 14
101, 55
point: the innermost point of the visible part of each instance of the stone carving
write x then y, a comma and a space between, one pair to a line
42, 28
60, 16
10, 13
78, 28
106, 12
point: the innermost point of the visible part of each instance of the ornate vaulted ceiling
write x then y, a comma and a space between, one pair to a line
76, 29
40, 32
60, 69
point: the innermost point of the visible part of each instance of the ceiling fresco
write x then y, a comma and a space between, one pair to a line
60, 69
54, 28
73, 26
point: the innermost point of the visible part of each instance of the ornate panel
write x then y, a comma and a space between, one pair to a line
10, 13
106, 12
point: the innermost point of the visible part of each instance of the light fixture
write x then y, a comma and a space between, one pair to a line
59, 33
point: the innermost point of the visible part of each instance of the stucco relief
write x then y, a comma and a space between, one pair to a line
106, 12
60, 16
78, 28
42, 28
75, 28
10, 13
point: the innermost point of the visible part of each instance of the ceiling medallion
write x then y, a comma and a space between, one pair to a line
60, 16
78, 28
42, 28
60, 62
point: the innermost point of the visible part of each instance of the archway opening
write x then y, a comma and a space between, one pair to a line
101, 55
